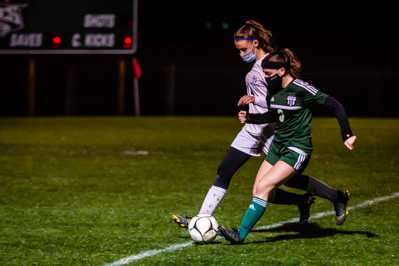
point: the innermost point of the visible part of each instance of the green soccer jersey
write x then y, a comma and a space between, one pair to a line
294, 118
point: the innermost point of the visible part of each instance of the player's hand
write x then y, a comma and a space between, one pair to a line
246, 99
241, 116
350, 143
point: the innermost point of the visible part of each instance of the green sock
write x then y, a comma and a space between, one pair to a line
281, 196
253, 214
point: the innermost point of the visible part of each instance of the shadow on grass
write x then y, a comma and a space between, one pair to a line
309, 231
215, 242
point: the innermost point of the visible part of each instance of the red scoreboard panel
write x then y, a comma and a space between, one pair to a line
68, 26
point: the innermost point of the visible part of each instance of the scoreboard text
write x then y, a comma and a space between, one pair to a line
68, 27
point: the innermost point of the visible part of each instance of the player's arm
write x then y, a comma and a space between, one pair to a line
339, 111
264, 118
245, 100
260, 101
257, 100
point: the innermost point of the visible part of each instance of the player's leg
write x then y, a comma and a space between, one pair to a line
258, 208
242, 148
311, 184
283, 197
276, 175
233, 160
287, 166
263, 169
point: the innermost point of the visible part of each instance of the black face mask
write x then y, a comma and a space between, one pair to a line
274, 84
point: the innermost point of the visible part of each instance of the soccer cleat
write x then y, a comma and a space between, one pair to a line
340, 206
304, 208
232, 235
181, 221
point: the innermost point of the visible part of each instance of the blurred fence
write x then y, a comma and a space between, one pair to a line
92, 87
216, 91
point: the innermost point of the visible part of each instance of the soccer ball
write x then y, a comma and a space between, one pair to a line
203, 228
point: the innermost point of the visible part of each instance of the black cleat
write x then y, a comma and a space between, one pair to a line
181, 221
232, 235
340, 206
304, 208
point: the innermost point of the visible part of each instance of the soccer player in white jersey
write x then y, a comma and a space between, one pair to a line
289, 106
254, 42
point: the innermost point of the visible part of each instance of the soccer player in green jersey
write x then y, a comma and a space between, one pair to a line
289, 102
254, 42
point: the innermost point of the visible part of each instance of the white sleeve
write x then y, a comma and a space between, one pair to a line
260, 101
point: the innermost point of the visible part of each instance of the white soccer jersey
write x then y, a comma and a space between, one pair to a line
256, 86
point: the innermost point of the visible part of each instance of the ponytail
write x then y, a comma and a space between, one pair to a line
253, 29
287, 59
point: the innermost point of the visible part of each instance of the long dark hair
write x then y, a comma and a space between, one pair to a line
286, 56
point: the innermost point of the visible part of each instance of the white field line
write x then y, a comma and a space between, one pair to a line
322, 214
154, 252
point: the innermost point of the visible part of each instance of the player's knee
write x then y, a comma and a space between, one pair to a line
263, 191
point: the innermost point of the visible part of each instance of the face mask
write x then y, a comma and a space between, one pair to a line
249, 57
274, 83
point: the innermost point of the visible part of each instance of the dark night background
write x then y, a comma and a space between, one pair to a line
190, 65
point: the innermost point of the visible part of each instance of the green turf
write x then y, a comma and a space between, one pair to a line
93, 190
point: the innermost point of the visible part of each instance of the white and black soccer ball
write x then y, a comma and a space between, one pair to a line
203, 228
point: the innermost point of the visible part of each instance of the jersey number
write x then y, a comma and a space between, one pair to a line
281, 115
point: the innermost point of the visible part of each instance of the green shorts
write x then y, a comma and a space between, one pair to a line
283, 153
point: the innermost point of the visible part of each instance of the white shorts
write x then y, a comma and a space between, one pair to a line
253, 145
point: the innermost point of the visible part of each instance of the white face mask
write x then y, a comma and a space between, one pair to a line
249, 57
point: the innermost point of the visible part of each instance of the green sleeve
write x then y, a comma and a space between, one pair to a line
314, 97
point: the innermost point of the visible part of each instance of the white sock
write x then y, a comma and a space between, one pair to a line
212, 200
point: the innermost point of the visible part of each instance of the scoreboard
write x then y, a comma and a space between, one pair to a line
68, 26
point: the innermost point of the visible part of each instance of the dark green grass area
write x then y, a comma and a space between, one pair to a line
93, 190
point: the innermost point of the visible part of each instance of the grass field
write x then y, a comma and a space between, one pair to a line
95, 190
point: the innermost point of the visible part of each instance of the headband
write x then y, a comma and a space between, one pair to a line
248, 39
275, 65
